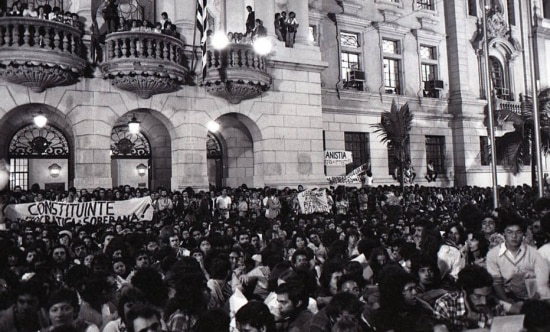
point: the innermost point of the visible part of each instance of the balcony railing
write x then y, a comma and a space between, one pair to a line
40, 54
146, 63
236, 73
505, 105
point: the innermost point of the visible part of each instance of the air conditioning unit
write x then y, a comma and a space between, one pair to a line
433, 85
356, 75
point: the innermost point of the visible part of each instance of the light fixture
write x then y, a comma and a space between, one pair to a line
133, 125
213, 126
40, 119
262, 45
54, 169
141, 169
219, 40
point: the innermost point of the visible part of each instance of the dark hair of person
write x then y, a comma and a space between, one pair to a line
393, 280
144, 311
219, 266
537, 316
149, 281
189, 297
64, 295
421, 261
257, 315
296, 294
95, 285
348, 277
473, 277
129, 295
214, 320
32, 288
331, 266
341, 302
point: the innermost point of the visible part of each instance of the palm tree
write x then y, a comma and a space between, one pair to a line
514, 148
393, 130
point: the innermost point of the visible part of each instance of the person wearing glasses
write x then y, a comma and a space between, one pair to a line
513, 261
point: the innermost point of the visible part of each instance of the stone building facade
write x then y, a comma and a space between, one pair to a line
276, 114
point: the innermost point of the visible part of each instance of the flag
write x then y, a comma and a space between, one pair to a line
202, 25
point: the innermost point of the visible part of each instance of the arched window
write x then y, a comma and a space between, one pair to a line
127, 145
498, 78
27, 146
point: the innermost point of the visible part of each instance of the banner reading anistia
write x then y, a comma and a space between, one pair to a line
94, 212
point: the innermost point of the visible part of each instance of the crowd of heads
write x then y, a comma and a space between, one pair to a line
45, 12
379, 258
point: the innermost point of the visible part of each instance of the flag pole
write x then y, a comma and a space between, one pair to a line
536, 123
490, 111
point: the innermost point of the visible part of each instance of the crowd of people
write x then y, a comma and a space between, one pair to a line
247, 259
45, 12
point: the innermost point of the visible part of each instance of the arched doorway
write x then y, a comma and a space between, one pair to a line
130, 158
238, 139
214, 155
39, 156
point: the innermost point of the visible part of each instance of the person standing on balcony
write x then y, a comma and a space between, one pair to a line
164, 20
16, 9
259, 30
110, 15
30, 11
291, 27
250, 20
279, 26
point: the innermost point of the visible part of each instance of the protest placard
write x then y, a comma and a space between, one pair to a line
312, 201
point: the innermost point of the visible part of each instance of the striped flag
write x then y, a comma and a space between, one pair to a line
202, 25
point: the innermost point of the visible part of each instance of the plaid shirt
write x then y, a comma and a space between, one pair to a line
451, 309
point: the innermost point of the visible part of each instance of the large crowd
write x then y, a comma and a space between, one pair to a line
247, 259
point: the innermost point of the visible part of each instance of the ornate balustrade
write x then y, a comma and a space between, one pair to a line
236, 73
40, 54
145, 63
505, 105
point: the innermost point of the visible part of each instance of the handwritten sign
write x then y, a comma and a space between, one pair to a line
353, 177
95, 212
312, 201
338, 158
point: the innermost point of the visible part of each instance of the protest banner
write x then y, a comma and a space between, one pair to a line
95, 212
353, 177
312, 201
338, 158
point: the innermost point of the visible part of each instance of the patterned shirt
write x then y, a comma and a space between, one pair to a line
451, 309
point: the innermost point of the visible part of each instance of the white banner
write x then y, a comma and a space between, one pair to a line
95, 212
354, 177
312, 201
338, 158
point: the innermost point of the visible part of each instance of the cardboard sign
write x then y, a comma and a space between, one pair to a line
312, 201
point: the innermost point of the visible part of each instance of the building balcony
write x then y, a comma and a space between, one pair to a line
40, 54
145, 63
506, 105
236, 73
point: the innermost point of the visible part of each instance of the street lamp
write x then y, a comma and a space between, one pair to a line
55, 170
40, 119
133, 126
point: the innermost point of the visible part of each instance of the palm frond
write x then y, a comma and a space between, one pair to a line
509, 151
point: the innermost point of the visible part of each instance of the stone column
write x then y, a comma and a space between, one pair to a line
184, 17
265, 11
235, 16
301, 8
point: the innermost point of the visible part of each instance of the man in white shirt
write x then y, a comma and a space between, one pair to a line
223, 204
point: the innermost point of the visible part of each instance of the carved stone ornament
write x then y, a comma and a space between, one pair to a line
145, 85
236, 73
40, 54
496, 24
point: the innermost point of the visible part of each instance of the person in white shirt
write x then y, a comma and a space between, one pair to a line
223, 204
30, 11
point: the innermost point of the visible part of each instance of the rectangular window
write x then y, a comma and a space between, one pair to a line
313, 34
392, 66
348, 39
359, 145
425, 4
19, 173
512, 12
350, 57
429, 68
350, 61
472, 7
435, 152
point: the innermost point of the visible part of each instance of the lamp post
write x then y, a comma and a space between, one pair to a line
536, 122
55, 170
490, 111
40, 119
133, 126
